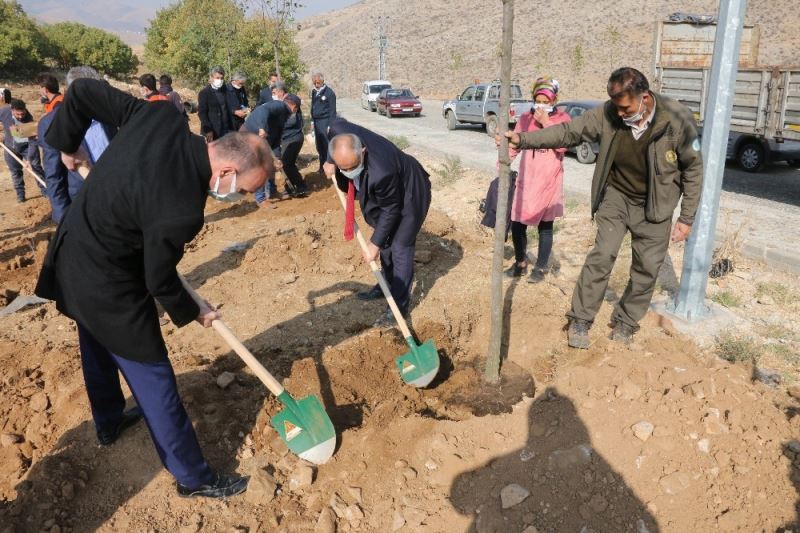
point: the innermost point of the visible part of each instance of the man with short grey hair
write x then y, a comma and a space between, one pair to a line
116, 251
323, 110
237, 99
394, 193
212, 106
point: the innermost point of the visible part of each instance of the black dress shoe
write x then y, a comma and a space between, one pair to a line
224, 485
108, 435
375, 293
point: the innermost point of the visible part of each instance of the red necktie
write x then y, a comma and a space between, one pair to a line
350, 212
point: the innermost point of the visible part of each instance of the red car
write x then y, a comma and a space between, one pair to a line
395, 102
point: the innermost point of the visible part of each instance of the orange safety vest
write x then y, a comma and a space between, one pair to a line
49, 106
157, 97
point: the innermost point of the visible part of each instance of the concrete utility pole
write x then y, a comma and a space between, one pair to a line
381, 23
689, 303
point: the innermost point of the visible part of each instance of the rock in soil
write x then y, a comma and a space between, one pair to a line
225, 379
642, 430
262, 487
512, 495
301, 476
326, 523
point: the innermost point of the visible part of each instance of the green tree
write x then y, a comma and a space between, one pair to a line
187, 38
21, 41
70, 43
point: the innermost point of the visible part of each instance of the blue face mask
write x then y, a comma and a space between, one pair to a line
231, 196
354, 173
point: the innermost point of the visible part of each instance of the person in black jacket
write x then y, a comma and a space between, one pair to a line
212, 106
237, 100
323, 110
291, 143
394, 192
116, 251
267, 121
265, 95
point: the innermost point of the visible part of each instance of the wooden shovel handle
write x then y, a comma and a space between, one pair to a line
258, 369
376, 269
30, 170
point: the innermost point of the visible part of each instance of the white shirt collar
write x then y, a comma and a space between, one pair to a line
639, 130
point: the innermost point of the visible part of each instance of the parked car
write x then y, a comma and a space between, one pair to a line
480, 104
396, 102
585, 152
370, 91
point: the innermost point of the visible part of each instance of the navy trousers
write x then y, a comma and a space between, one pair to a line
28, 151
321, 138
155, 390
397, 262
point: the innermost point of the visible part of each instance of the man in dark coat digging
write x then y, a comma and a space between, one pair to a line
117, 248
394, 192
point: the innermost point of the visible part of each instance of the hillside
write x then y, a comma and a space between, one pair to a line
436, 48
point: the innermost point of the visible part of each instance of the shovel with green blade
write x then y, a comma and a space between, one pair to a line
419, 366
303, 424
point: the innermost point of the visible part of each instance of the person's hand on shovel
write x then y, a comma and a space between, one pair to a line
207, 314
77, 159
371, 253
329, 169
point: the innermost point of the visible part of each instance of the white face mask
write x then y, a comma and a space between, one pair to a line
354, 173
546, 107
231, 196
217, 83
636, 118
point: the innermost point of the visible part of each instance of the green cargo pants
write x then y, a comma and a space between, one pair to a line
617, 215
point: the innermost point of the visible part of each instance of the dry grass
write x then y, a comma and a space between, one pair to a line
727, 298
738, 348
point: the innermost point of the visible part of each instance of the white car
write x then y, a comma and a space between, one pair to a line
370, 91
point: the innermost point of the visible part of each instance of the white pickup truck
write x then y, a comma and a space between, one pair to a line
480, 104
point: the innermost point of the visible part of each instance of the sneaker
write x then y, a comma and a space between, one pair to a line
578, 333
224, 485
386, 320
107, 436
375, 293
20, 199
622, 332
517, 271
299, 193
285, 195
537, 275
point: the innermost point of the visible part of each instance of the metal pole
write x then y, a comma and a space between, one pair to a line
689, 303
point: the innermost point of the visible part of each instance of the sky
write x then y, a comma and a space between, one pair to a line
128, 18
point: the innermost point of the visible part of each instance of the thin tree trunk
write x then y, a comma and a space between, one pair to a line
492, 371
277, 59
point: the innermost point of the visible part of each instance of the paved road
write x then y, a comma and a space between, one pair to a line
765, 205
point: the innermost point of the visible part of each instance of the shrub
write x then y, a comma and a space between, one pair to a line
451, 171
737, 348
400, 141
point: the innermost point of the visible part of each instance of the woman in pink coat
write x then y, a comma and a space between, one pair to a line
539, 195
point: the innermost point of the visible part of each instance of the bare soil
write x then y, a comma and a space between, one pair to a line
721, 455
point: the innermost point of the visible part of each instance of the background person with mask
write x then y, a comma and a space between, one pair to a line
212, 106
237, 100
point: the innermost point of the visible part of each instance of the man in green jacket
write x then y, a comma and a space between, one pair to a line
649, 156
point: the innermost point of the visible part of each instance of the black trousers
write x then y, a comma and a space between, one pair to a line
321, 138
519, 236
289, 152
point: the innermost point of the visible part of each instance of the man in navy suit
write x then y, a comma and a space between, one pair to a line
394, 192
323, 111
